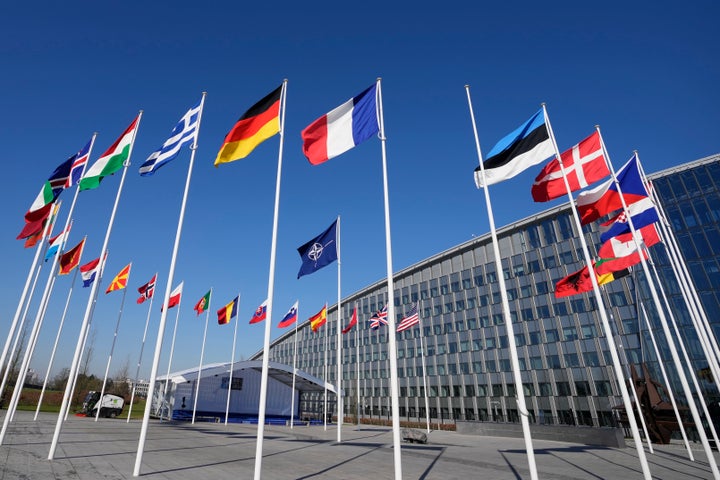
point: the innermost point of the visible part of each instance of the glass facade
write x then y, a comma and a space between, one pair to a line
462, 337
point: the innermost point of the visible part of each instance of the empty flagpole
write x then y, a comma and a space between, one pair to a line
142, 348
663, 322
57, 339
166, 297
357, 360
112, 349
391, 304
172, 351
232, 360
86, 319
325, 373
522, 409
422, 358
271, 288
338, 381
202, 356
292, 397
617, 365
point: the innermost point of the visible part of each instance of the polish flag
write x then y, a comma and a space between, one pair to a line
175, 295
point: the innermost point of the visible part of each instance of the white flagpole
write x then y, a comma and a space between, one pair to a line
142, 348
57, 339
232, 361
668, 387
292, 398
664, 323
635, 398
325, 374
172, 351
83, 336
357, 361
520, 396
202, 356
338, 382
397, 455
166, 297
86, 319
271, 289
422, 357
112, 350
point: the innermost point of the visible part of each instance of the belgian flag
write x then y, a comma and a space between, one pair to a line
259, 123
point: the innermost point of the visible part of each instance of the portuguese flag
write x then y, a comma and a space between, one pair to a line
112, 160
203, 304
259, 123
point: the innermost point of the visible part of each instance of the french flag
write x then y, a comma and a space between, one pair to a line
343, 128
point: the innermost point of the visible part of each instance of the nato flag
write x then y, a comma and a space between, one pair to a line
320, 251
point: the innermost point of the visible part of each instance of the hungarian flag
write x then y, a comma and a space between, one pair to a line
605, 198
203, 304
259, 123
175, 296
620, 251
226, 313
353, 322
319, 319
147, 291
260, 313
71, 258
584, 164
290, 317
112, 160
121, 279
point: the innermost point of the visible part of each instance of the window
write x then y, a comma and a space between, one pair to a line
591, 359
582, 388
490, 343
560, 308
535, 338
543, 311
617, 299
570, 333
603, 388
536, 363
578, 305
566, 258
541, 287
464, 368
589, 331
572, 360
525, 291
460, 305
563, 389
553, 361
448, 307
526, 314
545, 389
550, 261
551, 335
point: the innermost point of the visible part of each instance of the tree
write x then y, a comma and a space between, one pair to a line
60, 379
120, 379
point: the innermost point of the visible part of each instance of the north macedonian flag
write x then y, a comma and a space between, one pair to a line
259, 123
121, 279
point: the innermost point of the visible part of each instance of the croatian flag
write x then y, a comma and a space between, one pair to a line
77, 170
89, 271
343, 128
642, 213
260, 313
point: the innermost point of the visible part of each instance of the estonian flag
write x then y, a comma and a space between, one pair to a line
527, 145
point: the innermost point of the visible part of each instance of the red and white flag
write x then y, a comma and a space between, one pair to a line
584, 165
410, 320
175, 295
146, 291
621, 252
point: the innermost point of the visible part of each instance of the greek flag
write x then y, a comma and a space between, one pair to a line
183, 134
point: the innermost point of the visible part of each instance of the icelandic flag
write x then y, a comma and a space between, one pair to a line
77, 170
527, 145
604, 199
289, 318
319, 252
260, 313
343, 128
183, 134
88, 272
642, 213
54, 245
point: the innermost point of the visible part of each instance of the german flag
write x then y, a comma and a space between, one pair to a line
259, 123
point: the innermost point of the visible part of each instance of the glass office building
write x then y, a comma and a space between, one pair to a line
567, 372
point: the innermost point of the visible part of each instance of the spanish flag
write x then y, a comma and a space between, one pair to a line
121, 279
259, 123
319, 319
226, 313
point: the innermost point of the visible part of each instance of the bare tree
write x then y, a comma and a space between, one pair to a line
58, 382
89, 353
120, 379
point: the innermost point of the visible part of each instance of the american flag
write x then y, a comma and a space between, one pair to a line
77, 169
379, 318
410, 320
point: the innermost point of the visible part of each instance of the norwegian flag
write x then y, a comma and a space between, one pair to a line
411, 319
379, 318
146, 291
79, 163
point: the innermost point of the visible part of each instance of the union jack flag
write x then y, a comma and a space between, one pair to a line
410, 320
379, 318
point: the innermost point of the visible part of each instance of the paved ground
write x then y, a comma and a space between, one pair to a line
180, 451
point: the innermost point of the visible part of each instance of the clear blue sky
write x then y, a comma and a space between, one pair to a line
646, 72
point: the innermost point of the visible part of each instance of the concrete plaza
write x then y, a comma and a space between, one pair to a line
106, 450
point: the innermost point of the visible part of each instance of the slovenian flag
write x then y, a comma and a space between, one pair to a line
290, 317
343, 128
260, 313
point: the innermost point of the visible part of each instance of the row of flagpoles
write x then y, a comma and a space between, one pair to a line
624, 242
